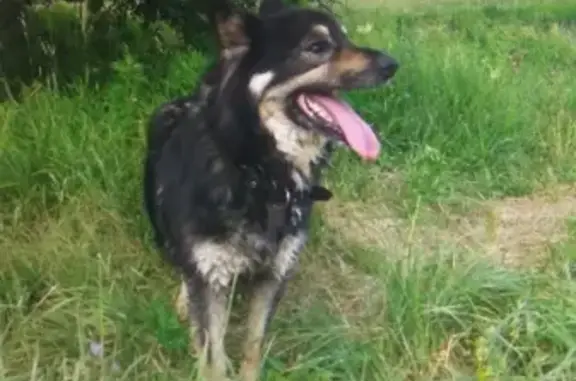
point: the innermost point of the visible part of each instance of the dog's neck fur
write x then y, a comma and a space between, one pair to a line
301, 152
304, 150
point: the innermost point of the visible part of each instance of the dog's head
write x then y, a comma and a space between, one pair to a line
294, 62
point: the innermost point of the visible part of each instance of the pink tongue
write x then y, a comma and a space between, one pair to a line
357, 132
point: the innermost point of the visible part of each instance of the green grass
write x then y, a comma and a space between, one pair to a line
483, 107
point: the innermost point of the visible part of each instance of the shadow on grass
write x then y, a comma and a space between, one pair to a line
47, 44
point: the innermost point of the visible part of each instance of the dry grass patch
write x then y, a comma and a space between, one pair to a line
518, 230
407, 5
514, 231
345, 290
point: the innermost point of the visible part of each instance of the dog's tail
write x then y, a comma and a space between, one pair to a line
149, 204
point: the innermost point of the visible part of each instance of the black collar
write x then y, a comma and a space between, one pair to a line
278, 199
278, 193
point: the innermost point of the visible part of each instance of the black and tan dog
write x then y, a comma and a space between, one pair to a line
232, 171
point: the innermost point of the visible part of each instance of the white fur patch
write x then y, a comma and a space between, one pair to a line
288, 253
290, 138
296, 143
316, 75
219, 263
259, 82
322, 29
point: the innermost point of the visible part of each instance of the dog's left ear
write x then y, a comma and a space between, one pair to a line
236, 32
233, 34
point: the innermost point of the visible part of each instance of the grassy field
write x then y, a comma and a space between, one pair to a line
452, 258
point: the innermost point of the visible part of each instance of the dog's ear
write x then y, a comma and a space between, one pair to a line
234, 31
269, 7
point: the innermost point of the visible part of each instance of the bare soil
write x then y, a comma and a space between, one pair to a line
510, 231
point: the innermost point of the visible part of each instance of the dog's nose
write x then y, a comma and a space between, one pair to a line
387, 66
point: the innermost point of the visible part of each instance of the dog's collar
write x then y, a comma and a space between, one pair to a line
279, 199
282, 194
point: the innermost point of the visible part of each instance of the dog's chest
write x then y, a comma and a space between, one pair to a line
252, 250
220, 263
268, 241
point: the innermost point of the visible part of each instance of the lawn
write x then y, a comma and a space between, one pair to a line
451, 258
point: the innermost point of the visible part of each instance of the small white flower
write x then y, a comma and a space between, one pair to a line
96, 349
495, 74
365, 29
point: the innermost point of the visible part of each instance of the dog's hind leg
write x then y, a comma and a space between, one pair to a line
266, 295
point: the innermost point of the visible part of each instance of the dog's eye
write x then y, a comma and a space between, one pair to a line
319, 47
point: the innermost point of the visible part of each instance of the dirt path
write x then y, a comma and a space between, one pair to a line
511, 231
413, 4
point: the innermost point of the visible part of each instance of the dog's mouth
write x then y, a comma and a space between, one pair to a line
337, 120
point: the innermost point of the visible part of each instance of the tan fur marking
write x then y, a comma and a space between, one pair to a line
260, 306
195, 348
302, 147
181, 305
215, 370
350, 61
181, 302
311, 149
267, 110
252, 352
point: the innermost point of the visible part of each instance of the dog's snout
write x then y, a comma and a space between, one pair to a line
386, 65
364, 67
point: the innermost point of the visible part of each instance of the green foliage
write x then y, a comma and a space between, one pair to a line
188, 16
53, 45
60, 41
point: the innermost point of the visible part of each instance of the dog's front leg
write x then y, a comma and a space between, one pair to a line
266, 295
206, 310
190, 305
216, 319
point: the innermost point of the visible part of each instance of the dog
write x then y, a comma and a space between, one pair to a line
232, 170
